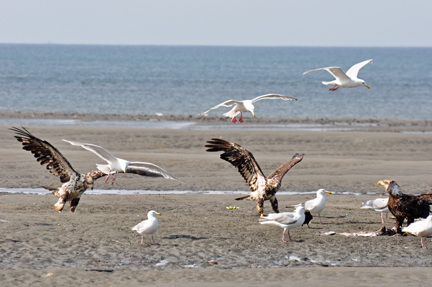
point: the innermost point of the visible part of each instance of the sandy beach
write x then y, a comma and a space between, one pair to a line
200, 241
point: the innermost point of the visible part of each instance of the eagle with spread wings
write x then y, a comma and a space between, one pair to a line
74, 183
263, 188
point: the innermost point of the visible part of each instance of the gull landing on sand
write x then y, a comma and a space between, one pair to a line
348, 80
246, 106
116, 164
286, 220
148, 226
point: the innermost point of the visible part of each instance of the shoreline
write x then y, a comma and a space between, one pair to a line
219, 122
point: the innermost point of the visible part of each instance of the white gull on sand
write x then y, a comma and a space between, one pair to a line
286, 220
246, 106
148, 226
317, 204
421, 228
379, 205
348, 80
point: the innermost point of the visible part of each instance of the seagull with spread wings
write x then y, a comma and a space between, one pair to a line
246, 106
263, 188
116, 164
74, 183
348, 80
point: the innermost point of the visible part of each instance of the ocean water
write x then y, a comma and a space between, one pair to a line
187, 80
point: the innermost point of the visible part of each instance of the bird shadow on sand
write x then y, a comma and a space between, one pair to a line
184, 236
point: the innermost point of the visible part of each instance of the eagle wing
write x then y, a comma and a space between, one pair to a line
242, 159
280, 172
46, 154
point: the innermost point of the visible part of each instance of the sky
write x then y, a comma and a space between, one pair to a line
366, 23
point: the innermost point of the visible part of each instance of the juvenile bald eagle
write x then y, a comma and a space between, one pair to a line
74, 184
263, 188
403, 205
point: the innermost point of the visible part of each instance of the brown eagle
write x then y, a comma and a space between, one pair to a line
74, 184
263, 188
403, 205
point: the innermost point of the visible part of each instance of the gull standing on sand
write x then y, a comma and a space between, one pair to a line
422, 228
148, 226
348, 80
246, 106
286, 220
116, 164
317, 204
379, 205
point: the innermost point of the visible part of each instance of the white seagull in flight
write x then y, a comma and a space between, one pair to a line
246, 106
116, 164
348, 80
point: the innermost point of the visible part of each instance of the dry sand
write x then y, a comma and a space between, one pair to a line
95, 246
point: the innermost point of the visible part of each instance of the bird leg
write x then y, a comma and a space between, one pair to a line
154, 243
106, 179
320, 218
241, 117
274, 204
423, 245
142, 238
382, 219
283, 236
115, 176
260, 205
334, 88
234, 120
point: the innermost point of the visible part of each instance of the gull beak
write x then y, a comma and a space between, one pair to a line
367, 87
253, 114
124, 170
329, 192
158, 213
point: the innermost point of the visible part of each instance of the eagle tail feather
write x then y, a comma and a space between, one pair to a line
243, 197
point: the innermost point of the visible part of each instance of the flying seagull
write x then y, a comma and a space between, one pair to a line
348, 80
74, 184
263, 188
148, 226
246, 106
286, 220
116, 164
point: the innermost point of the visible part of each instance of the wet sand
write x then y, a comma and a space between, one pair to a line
95, 246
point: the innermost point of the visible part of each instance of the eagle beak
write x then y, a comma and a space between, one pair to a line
367, 87
262, 215
380, 182
307, 210
158, 213
91, 186
329, 192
